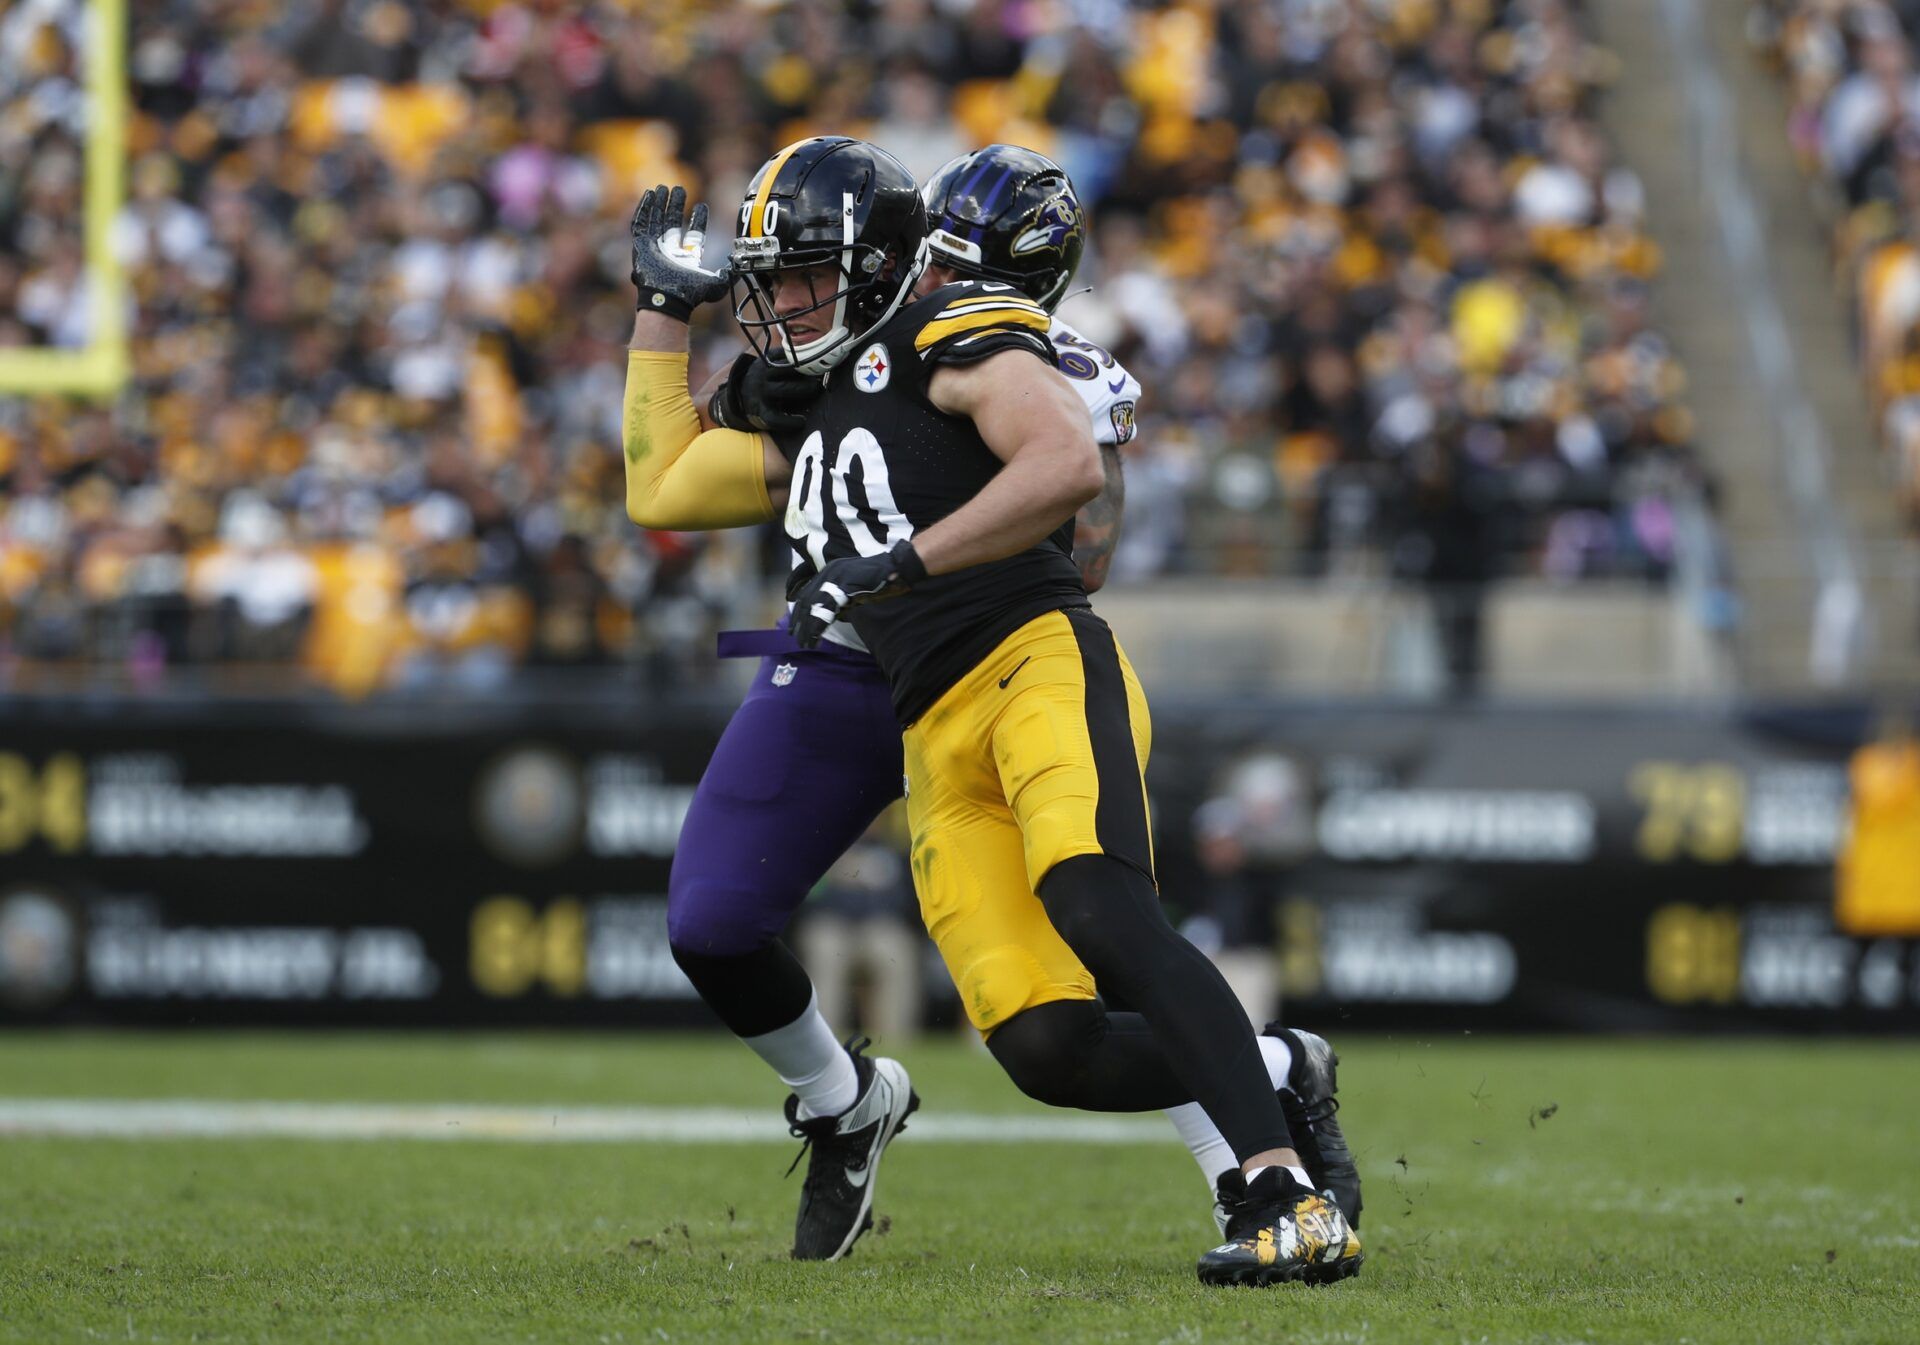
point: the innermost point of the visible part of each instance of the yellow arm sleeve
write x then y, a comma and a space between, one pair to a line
679, 478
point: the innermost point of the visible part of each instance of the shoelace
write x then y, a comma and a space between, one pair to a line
806, 1132
1322, 1110
820, 1127
1315, 1112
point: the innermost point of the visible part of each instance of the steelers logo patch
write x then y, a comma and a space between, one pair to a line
873, 370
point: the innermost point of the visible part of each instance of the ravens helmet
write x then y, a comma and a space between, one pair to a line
1008, 214
826, 205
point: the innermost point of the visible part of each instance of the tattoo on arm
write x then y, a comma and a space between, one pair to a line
1096, 529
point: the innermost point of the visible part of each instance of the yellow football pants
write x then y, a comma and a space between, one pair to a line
1034, 757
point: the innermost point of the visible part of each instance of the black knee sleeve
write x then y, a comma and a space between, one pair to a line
754, 992
1044, 1049
1073, 1053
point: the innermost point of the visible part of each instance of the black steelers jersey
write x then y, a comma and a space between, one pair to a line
877, 462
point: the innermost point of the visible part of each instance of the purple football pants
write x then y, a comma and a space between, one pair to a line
807, 762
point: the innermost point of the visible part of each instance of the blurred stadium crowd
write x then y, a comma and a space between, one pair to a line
1855, 124
1372, 259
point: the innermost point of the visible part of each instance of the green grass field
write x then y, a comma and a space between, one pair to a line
1698, 1191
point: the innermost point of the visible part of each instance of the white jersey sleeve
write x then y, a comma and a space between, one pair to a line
1110, 392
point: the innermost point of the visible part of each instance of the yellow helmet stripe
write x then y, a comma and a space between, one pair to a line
758, 213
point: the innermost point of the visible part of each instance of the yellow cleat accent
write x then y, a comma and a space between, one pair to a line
1280, 1239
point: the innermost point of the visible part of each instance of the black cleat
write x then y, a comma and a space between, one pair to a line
1310, 1105
836, 1202
1280, 1232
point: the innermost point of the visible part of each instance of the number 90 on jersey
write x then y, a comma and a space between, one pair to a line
864, 512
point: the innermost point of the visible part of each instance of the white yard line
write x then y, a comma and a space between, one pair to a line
181, 1118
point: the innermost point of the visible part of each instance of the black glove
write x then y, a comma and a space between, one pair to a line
761, 395
666, 255
848, 582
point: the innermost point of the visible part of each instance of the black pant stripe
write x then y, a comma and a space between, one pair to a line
1120, 817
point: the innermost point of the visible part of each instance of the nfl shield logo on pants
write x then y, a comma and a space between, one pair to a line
784, 674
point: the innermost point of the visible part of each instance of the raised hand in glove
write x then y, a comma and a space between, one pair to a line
848, 582
761, 395
666, 255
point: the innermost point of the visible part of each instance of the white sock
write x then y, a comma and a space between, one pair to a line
811, 1062
1279, 1060
1203, 1138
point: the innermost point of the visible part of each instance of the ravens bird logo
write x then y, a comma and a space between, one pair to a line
1053, 223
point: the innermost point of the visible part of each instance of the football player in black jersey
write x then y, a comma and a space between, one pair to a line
937, 470
1006, 213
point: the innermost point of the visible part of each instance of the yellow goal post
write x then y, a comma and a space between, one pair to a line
98, 368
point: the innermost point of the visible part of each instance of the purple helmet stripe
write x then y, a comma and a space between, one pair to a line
978, 173
992, 194
985, 200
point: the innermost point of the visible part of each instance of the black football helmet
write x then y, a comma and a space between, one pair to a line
1005, 213
828, 201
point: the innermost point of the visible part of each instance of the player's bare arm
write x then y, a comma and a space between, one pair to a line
1096, 528
1034, 423
680, 474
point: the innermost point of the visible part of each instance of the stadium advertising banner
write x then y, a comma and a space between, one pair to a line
315, 864
1545, 868
400, 864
